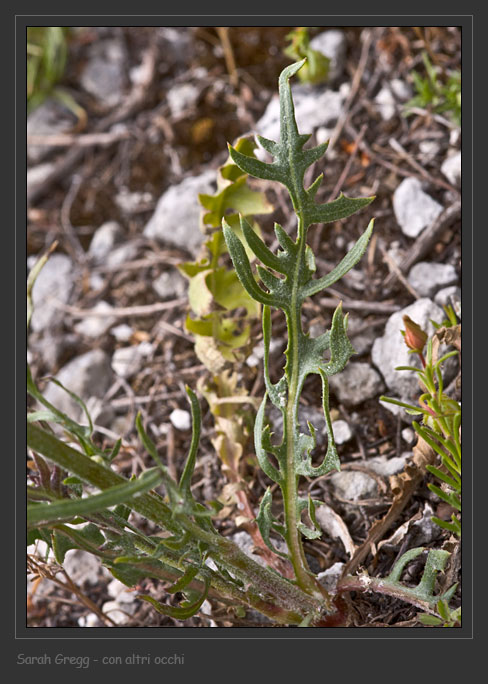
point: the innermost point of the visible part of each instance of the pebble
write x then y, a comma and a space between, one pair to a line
181, 97
389, 96
104, 74
450, 296
97, 281
332, 44
386, 104
180, 419
133, 202
386, 467
122, 332
451, 168
362, 342
48, 118
414, 209
119, 615
179, 44
408, 435
426, 531
53, 346
244, 541
54, 282
353, 485
82, 566
428, 149
123, 254
89, 620
401, 89
324, 134
170, 285
427, 277
176, 218
36, 175
356, 383
127, 361
256, 357
342, 431
454, 136
329, 578
94, 326
88, 375
396, 253
104, 240
120, 592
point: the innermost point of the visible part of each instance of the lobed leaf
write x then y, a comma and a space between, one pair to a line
266, 522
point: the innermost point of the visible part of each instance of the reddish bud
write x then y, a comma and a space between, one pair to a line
415, 337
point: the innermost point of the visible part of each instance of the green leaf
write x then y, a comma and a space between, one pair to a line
445, 478
261, 454
181, 584
340, 348
316, 532
185, 480
243, 267
340, 208
60, 510
277, 393
266, 522
238, 197
60, 545
430, 620
260, 249
128, 574
183, 612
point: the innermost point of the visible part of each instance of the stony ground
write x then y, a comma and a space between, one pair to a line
117, 189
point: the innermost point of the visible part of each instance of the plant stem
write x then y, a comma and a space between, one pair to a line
290, 421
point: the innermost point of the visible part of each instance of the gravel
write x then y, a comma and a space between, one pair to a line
427, 277
54, 283
176, 218
414, 209
88, 375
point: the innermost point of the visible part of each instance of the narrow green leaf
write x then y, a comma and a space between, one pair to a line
181, 584
348, 262
260, 249
285, 240
442, 476
427, 619
185, 480
59, 510
254, 167
243, 267
338, 209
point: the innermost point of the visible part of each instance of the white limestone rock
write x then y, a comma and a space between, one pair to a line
427, 277
414, 209
176, 219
